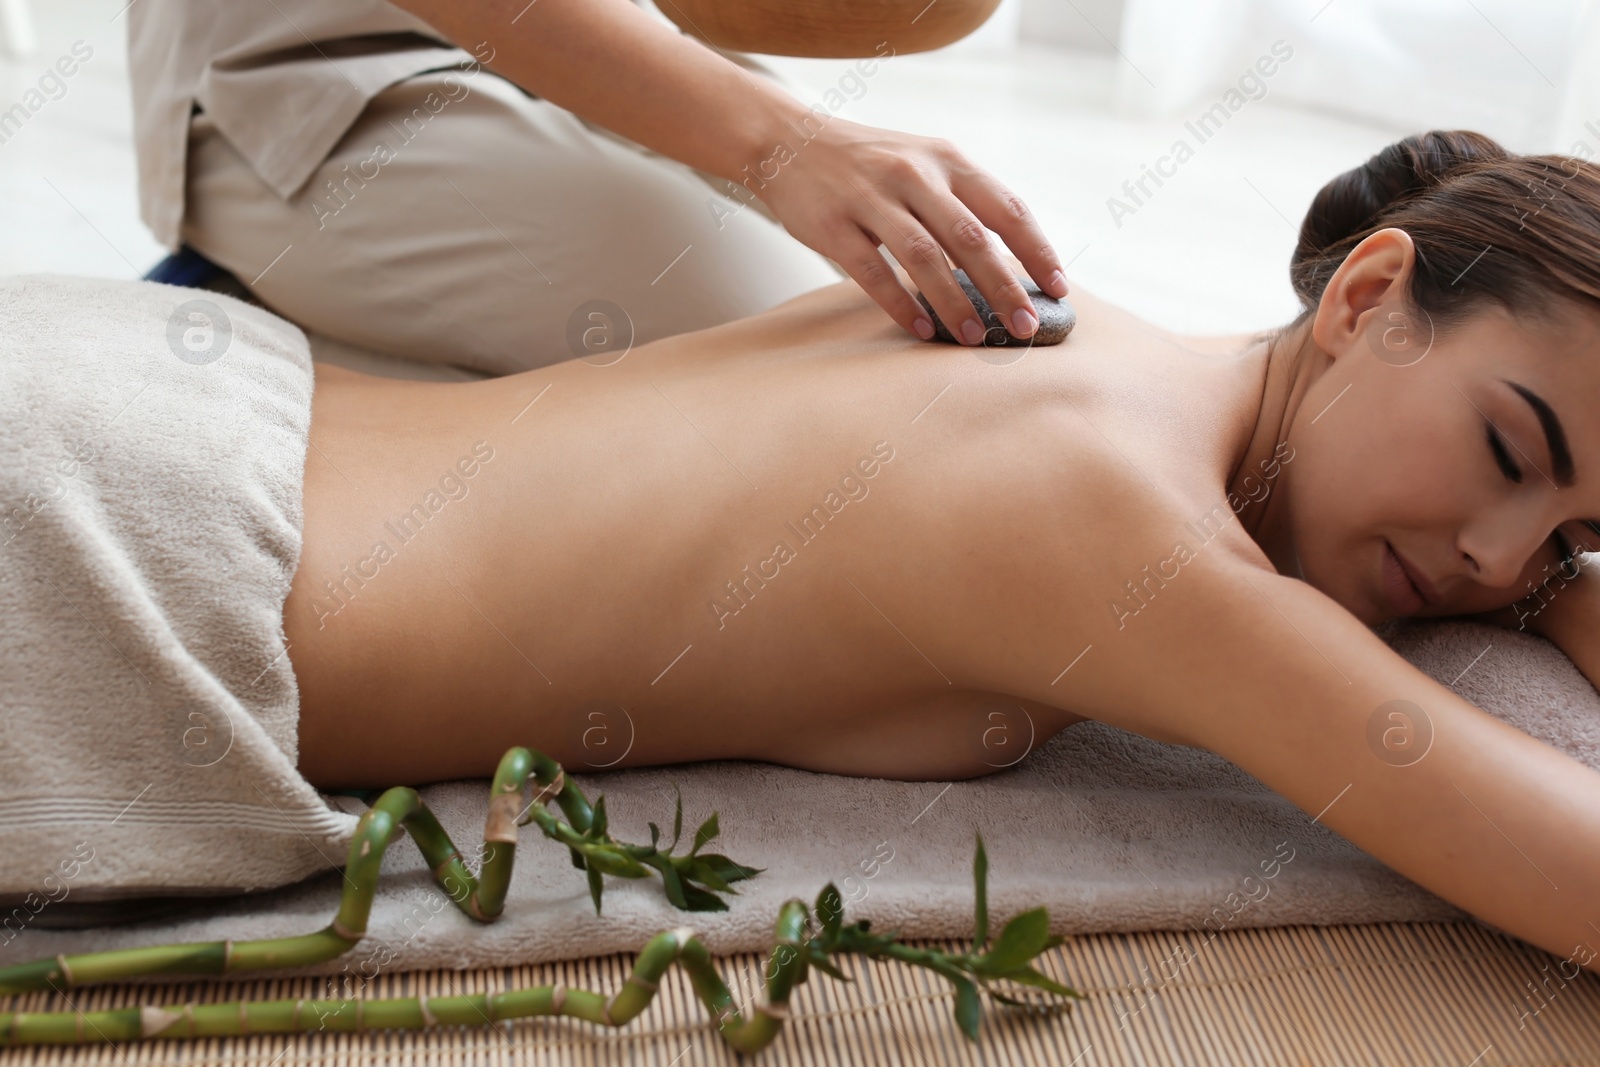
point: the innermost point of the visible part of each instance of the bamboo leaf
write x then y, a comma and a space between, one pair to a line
594, 888
655, 835
1030, 977
677, 817
619, 864
727, 869
819, 959
1021, 940
577, 858
700, 871
1013, 1001
598, 827
671, 883
697, 899
967, 1008
830, 909
980, 879
703, 836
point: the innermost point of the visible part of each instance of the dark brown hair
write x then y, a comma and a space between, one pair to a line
1487, 224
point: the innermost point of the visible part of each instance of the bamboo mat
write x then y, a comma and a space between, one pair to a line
1384, 993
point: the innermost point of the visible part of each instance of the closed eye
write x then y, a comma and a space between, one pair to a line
1502, 456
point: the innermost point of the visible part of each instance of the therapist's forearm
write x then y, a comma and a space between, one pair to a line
612, 64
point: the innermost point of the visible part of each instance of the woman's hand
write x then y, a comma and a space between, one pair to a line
1565, 611
851, 188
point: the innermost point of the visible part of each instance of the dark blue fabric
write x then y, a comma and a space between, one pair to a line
184, 267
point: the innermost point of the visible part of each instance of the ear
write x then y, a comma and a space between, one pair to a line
1376, 274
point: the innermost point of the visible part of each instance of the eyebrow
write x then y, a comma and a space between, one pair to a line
1554, 435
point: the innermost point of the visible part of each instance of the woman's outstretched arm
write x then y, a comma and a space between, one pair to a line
1564, 610
1281, 680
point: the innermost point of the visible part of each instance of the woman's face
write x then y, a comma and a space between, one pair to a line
1395, 451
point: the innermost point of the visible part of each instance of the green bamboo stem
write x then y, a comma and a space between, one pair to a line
691, 881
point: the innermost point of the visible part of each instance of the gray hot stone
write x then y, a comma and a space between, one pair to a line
1056, 318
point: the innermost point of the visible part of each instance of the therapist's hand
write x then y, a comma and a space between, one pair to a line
843, 191
853, 187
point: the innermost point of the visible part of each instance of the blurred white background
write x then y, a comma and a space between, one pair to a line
1064, 100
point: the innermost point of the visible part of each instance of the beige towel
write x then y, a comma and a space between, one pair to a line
152, 448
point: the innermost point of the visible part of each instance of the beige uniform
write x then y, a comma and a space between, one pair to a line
377, 184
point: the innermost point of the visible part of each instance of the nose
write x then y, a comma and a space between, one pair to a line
1497, 548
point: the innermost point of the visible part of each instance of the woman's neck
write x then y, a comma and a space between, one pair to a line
1284, 364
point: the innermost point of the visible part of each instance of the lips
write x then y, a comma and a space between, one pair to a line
1405, 589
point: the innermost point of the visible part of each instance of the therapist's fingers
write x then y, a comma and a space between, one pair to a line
1004, 212
969, 244
926, 203
923, 258
857, 252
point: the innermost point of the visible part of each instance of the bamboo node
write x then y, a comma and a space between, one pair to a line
774, 1011
644, 983
454, 855
558, 997
188, 1017
341, 930
552, 790
501, 825
66, 972
227, 953
294, 1018
244, 1018
428, 1018
154, 1020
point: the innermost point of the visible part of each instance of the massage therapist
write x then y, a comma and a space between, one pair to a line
577, 177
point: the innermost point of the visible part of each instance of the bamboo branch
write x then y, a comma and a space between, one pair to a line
691, 882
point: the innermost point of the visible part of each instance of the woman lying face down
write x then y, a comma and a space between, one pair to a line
805, 538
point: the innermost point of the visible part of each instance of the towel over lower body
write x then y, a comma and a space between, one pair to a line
153, 442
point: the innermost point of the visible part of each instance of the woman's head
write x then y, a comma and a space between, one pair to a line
1450, 291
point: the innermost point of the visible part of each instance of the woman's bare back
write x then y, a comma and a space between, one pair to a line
561, 588
779, 539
